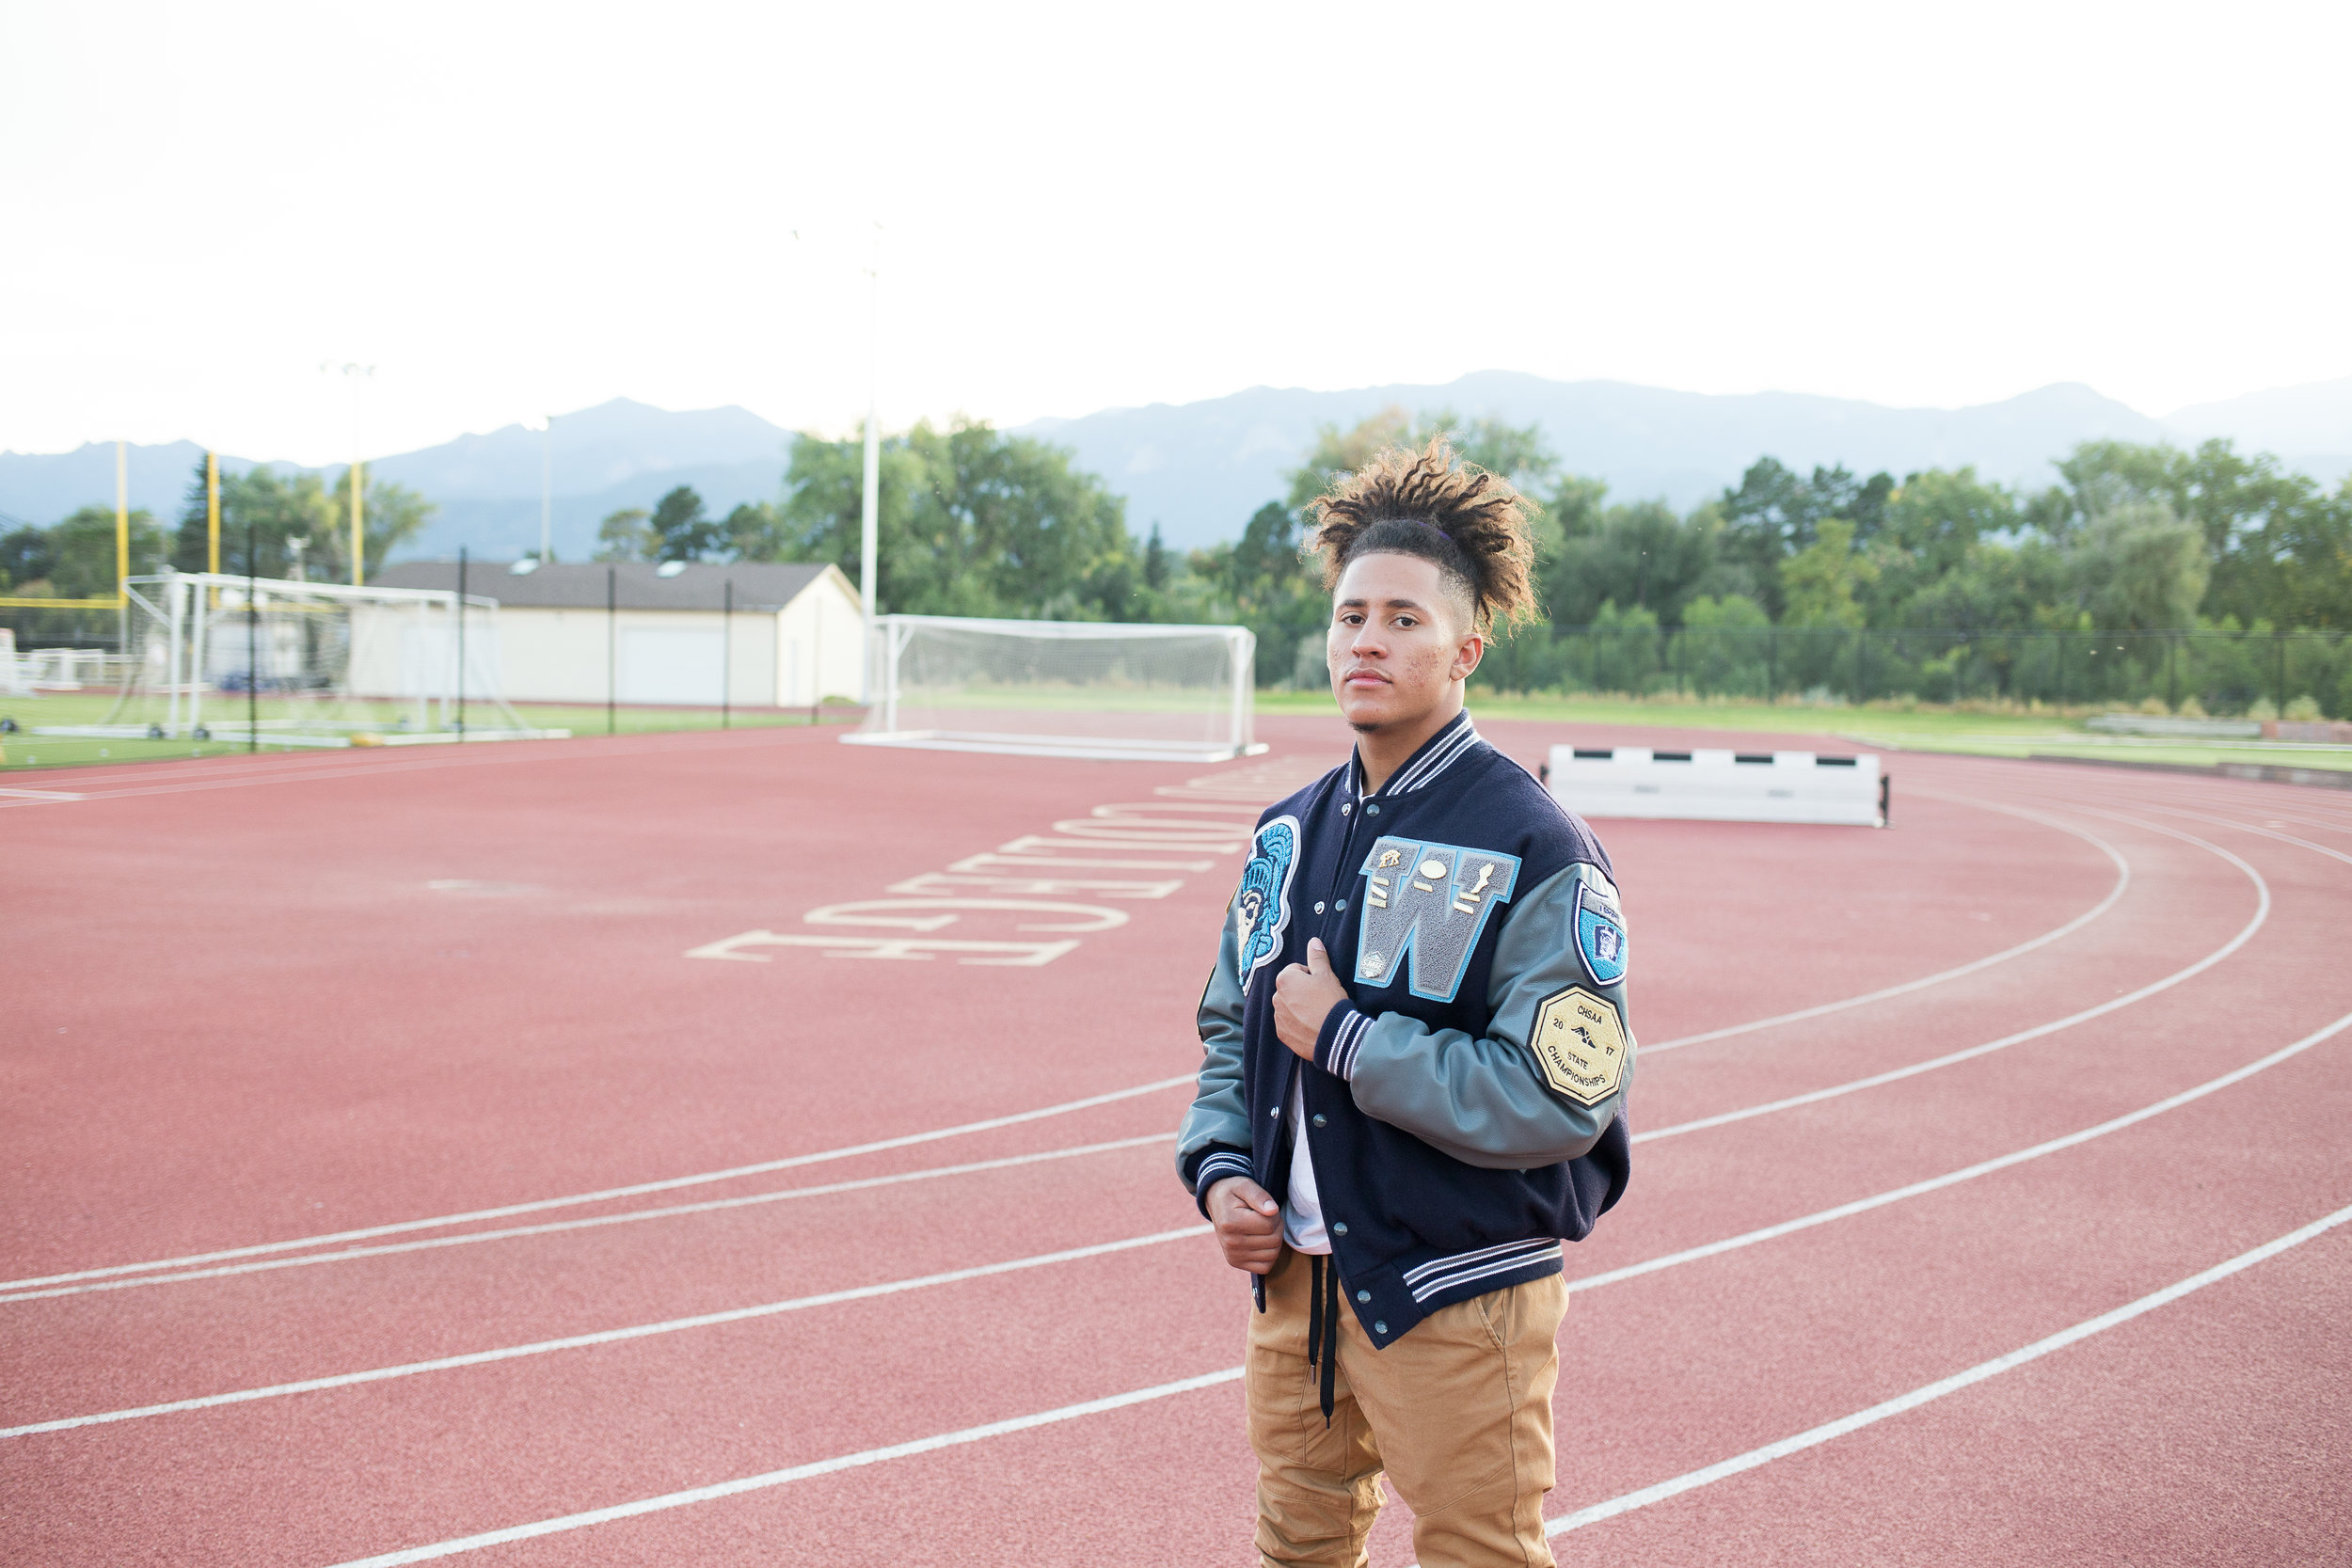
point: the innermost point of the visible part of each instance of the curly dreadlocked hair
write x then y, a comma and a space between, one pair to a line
1469, 523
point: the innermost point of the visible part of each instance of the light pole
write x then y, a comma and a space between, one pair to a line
871, 510
545, 428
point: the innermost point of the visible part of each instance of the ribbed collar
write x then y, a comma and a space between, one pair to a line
1441, 752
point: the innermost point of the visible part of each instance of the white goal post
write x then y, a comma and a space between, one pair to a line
211, 656
1112, 690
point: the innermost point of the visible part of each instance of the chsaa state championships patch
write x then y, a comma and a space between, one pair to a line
1579, 1043
1599, 935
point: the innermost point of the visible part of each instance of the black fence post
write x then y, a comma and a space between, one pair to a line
252, 649
2172, 673
2278, 647
727, 657
461, 643
611, 641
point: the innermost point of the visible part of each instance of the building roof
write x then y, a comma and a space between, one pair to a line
638, 585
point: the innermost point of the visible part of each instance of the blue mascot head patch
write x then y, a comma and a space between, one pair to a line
1262, 910
1599, 934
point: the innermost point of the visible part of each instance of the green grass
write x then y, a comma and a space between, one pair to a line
1889, 726
26, 750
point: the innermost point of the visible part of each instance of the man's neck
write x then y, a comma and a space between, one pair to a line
1383, 750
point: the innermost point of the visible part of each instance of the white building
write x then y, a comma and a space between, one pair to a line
655, 633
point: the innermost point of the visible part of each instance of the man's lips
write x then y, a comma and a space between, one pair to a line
1365, 677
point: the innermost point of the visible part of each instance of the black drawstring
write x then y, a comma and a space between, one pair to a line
1323, 1326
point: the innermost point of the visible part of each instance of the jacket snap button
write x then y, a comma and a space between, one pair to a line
1342, 906
1373, 810
1344, 810
1379, 1328
1339, 1229
1275, 1113
1319, 1121
1318, 907
1364, 1295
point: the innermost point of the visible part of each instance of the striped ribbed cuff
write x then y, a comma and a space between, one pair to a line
1343, 1035
1215, 1169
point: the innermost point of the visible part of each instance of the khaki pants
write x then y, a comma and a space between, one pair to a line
1458, 1412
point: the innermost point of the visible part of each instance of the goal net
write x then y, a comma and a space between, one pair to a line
213, 656
1069, 688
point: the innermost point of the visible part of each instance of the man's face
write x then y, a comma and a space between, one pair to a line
1396, 647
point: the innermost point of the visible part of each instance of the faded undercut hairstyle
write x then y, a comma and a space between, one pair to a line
1471, 525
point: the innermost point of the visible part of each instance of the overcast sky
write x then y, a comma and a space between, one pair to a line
512, 210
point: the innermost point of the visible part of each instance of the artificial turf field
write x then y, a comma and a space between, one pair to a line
602, 1151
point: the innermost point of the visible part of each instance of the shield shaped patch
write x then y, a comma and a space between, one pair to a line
1599, 935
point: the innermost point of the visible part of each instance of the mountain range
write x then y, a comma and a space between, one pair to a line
1198, 469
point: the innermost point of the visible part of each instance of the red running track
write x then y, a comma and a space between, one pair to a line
318, 1067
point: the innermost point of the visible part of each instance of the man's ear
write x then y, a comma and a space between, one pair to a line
1465, 660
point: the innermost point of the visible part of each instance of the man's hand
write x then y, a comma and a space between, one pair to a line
1304, 995
1248, 1223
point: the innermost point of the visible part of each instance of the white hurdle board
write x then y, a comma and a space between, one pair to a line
1718, 786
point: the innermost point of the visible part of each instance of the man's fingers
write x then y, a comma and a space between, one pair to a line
1318, 961
1253, 1195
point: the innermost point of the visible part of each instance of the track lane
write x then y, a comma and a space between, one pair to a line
932, 1478
337, 1176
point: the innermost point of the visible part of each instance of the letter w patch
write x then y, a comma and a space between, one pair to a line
1424, 906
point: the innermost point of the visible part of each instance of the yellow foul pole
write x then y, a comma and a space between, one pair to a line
358, 527
123, 518
211, 512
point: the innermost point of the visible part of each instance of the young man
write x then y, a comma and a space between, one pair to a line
1417, 1056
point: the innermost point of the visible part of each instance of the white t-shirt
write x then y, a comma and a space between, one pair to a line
1302, 1208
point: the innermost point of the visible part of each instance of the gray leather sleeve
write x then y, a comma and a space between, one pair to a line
1484, 1099
1220, 1108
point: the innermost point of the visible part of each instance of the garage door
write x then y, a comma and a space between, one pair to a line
659, 665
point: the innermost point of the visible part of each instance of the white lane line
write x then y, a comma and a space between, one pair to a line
1689, 1255
608, 1194
2251, 828
1740, 1464
1985, 1167
1593, 1514
609, 1336
798, 1472
671, 1211
2122, 881
2262, 914
20, 1289
345, 767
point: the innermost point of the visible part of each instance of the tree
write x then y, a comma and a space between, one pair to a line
282, 510
754, 532
1820, 584
624, 536
392, 515
972, 522
27, 556
2137, 567
683, 530
1640, 556
1158, 564
81, 560
1772, 514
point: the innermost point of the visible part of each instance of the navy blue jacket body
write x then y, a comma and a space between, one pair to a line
1465, 1108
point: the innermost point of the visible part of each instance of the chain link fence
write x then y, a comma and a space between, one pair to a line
2223, 673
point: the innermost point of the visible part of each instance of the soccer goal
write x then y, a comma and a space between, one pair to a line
213, 656
1120, 691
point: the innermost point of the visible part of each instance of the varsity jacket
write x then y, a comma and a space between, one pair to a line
1465, 1107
